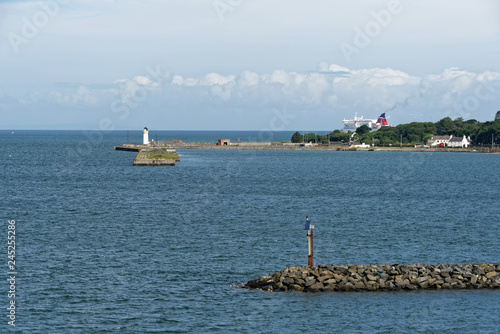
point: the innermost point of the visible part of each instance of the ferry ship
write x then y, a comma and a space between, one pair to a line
350, 125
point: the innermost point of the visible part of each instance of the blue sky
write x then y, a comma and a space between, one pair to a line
245, 64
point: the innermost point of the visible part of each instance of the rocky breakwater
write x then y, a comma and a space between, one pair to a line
156, 157
381, 278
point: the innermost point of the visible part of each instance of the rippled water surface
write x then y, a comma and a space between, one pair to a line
103, 246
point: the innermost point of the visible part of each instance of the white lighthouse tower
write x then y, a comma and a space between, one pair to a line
145, 139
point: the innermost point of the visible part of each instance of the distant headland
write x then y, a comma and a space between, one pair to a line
446, 135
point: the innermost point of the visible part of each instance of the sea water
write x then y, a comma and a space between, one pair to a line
104, 247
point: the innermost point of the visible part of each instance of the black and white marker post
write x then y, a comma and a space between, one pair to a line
309, 227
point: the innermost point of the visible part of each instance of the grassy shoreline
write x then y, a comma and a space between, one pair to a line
292, 147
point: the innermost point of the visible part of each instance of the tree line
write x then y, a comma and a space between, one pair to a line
414, 133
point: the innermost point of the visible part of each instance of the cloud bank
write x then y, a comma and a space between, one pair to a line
318, 99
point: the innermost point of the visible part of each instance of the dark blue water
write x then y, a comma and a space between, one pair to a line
102, 244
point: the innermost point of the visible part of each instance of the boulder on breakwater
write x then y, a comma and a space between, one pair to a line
383, 277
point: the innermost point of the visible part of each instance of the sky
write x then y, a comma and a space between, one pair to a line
245, 64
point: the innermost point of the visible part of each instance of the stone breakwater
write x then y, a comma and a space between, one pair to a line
380, 278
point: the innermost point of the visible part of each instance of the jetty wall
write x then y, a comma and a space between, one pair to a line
380, 278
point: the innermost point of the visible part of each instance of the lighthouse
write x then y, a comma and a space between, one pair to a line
145, 139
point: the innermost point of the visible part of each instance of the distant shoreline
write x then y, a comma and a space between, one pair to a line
179, 144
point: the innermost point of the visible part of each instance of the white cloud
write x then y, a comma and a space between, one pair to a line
381, 76
325, 67
248, 78
217, 79
145, 81
315, 96
177, 80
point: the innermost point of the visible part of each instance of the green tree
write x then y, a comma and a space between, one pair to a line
339, 136
486, 132
387, 135
366, 138
446, 126
497, 116
297, 137
310, 138
363, 129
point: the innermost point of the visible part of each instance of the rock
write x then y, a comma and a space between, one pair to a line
422, 279
310, 280
346, 287
314, 272
316, 287
296, 287
360, 285
327, 273
412, 274
323, 278
252, 284
424, 285
288, 281
337, 277
478, 271
300, 281
412, 286
330, 281
446, 270
399, 283
491, 274
352, 280
390, 286
371, 277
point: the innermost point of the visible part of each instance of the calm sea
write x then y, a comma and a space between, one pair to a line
106, 247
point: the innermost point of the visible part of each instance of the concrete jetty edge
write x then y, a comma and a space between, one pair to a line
383, 277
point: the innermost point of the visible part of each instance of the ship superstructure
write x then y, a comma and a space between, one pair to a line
350, 125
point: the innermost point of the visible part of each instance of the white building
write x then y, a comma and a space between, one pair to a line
459, 142
438, 140
145, 137
449, 141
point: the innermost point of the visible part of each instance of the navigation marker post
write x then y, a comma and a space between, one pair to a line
309, 227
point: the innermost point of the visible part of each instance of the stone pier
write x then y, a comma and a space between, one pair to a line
383, 277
